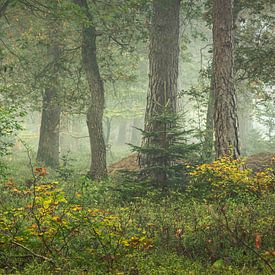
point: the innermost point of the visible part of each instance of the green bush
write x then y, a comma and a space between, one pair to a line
226, 179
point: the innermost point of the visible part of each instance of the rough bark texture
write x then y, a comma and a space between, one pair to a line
98, 168
163, 75
225, 109
48, 148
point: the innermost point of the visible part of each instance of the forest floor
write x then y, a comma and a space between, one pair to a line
58, 221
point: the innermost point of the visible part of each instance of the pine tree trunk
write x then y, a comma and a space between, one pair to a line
163, 75
225, 107
48, 148
98, 168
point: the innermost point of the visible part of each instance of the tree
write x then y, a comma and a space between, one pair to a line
163, 76
48, 149
225, 109
209, 127
96, 106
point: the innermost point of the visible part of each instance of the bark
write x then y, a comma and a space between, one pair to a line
48, 148
225, 106
163, 75
98, 168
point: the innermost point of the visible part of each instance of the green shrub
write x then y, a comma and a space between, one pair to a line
226, 179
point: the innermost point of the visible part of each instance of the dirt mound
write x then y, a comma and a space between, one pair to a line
260, 161
129, 163
257, 162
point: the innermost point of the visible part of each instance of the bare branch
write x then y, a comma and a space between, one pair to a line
33, 253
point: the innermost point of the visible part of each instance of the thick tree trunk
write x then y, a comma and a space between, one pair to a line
163, 75
48, 148
225, 107
98, 168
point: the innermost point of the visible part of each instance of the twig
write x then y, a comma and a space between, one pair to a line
243, 242
227, 227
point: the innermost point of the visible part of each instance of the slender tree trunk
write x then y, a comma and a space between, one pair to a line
98, 168
77, 132
65, 141
48, 149
163, 75
122, 131
208, 145
225, 107
135, 135
245, 119
108, 130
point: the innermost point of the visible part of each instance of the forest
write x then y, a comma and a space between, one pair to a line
137, 137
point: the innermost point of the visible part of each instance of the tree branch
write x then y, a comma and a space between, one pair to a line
33, 253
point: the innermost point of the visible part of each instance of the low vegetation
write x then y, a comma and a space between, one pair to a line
221, 223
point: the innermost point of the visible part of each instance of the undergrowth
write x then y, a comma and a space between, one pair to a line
223, 223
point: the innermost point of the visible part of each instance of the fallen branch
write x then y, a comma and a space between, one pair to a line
33, 253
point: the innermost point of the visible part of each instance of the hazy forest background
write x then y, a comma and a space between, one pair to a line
137, 136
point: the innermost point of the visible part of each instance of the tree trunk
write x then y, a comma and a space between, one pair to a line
163, 75
65, 132
108, 131
135, 135
122, 130
209, 129
225, 107
48, 148
245, 120
98, 168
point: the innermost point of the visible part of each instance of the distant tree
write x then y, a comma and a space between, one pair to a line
225, 106
48, 149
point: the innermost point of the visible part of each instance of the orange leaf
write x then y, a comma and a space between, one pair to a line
41, 171
258, 241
